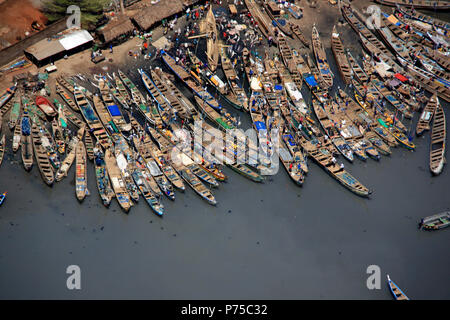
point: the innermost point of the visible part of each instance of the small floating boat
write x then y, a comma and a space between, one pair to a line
427, 115
438, 141
26, 143
81, 172
42, 158
2, 148
396, 291
2, 197
4, 98
46, 106
117, 182
146, 192
101, 174
15, 112
321, 58
436, 222
58, 136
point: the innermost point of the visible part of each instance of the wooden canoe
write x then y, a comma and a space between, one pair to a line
396, 291
263, 20
427, 116
115, 175
212, 49
436, 222
112, 108
321, 58
15, 112
2, 148
27, 152
101, 174
438, 141
66, 97
4, 98
339, 54
299, 34
160, 110
81, 189
58, 136
42, 158
46, 106
418, 4
147, 192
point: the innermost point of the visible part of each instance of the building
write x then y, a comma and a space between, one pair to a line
64, 43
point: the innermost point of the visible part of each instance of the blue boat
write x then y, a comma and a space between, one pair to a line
2, 197
396, 291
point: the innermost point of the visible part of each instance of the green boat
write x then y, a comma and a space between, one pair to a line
15, 113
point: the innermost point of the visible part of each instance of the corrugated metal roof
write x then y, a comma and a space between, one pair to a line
75, 39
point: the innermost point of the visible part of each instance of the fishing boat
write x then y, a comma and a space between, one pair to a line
172, 100
341, 58
112, 108
212, 37
66, 98
4, 98
321, 58
389, 96
436, 222
160, 178
26, 142
3, 197
274, 13
419, 16
332, 131
181, 165
160, 110
122, 94
224, 122
2, 148
91, 118
237, 96
264, 23
147, 193
427, 115
402, 139
70, 157
81, 189
153, 186
126, 169
190, 81
324, 158
15, 112
184, 106
290, 61
103, 183
89, 143
48, 144
438, 141
46, 106
17, 135
396, 291
292, 166
359, 74
117, 181
59, 136
104, 115
418, 4
42, 158
299, 34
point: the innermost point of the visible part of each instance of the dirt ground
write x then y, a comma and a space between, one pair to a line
16, 17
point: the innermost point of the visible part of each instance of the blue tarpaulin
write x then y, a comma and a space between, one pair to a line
282, 22
114, 110
26, 126
260, 125
311, 81
278, 87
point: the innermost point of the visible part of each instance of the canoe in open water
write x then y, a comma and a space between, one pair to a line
396, 291
436, 222
438, 141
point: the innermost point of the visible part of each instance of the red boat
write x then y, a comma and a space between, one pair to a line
46, 106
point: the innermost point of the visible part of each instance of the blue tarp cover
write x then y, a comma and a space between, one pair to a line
26, 126
114, 110
278, 87
260, 125
282, 22
311, 81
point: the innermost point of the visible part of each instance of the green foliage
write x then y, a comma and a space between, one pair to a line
91, 10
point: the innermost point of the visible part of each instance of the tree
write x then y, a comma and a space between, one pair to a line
91, 10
